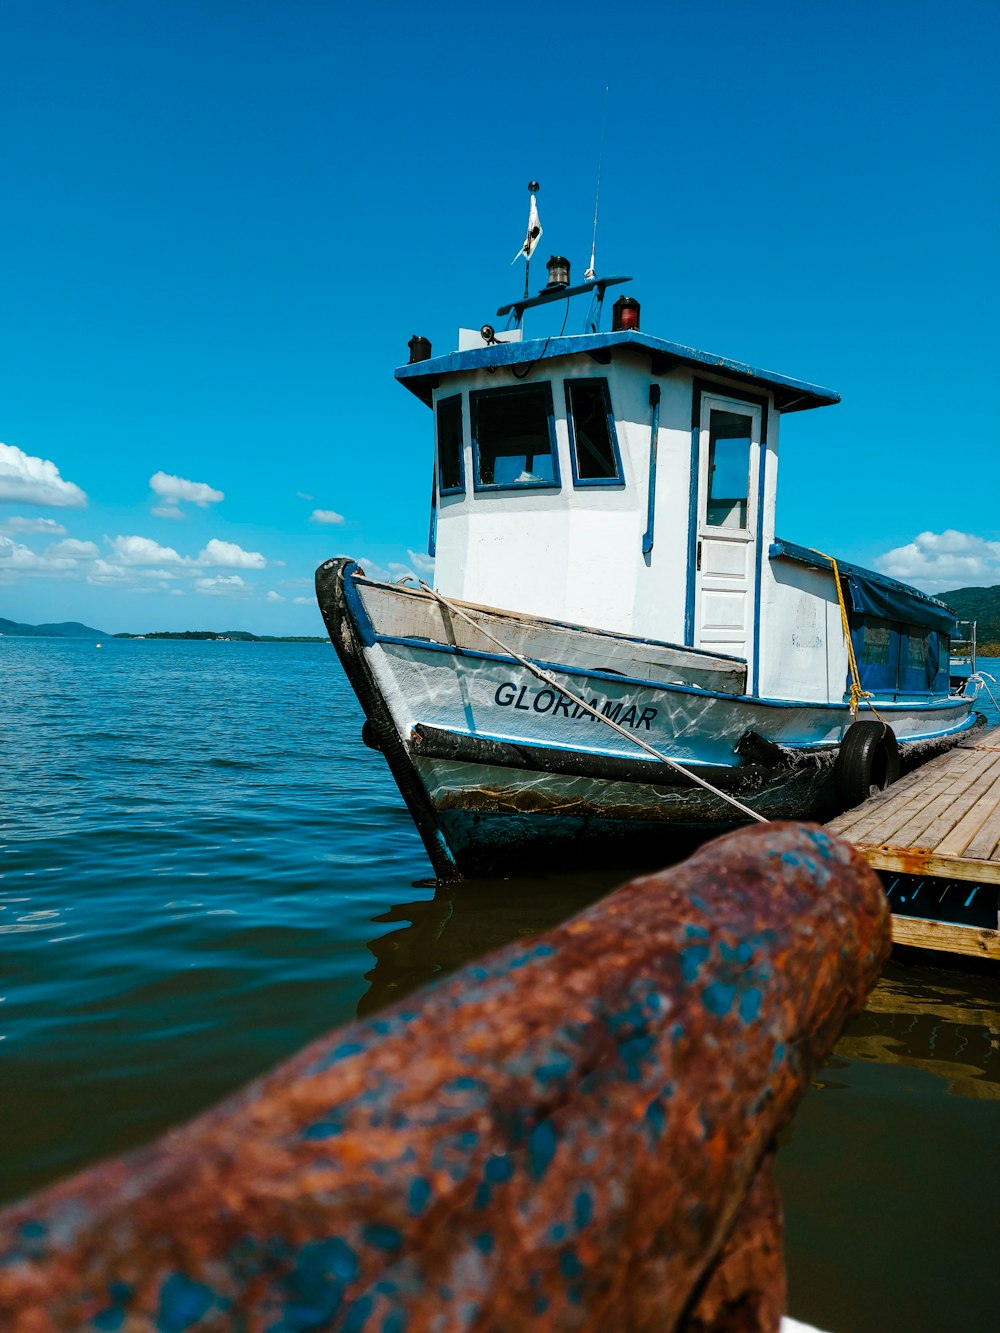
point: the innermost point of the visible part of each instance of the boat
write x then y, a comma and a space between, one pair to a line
616, 647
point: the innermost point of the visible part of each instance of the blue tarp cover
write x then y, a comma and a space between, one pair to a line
875, 595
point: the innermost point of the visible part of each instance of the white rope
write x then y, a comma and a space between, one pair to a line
982, 677
582, 703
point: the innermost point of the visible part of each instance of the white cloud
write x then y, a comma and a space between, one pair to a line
936, 561
144, 551
422, 564
167, 511
326, 516
174, 489
273, 596
47, 526
221, 585
227, 555
35, 481
304, 495
103, 572
72, 549
16, 559
303, 601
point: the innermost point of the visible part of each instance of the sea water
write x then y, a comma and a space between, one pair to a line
202, 868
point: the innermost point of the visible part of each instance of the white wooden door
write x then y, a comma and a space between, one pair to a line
729, 455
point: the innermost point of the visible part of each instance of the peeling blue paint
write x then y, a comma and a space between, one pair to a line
718, 998
499, 1168
382, 1237
692, 959
569, 1264
109, 1320
750, 1002
182, 1304
356, 1316
419, 1195
541, 1148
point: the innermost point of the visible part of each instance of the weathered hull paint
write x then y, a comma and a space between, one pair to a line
563, 1136
494, 817
473, 816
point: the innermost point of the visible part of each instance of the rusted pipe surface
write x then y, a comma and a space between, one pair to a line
558, 1137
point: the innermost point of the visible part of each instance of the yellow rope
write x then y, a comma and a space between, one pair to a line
857, 696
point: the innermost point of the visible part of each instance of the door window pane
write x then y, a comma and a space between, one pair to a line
729, 438
514, 437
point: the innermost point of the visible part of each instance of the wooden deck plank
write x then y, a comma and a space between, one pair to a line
940, 806
963, 797
973, 941
883, 820
985, 842
941, 821
955, 842
963, 802
849, 818
888, 801
909, 861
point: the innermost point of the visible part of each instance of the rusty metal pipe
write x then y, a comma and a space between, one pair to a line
558, 1137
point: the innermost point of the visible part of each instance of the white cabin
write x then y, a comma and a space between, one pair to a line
627, 483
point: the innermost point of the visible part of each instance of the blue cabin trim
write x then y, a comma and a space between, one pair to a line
790, 395
692, 554
654, 433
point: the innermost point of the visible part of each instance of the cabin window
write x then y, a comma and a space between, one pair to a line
878, 649
927, 661
876, 641
451, 463
729, 439
513, 437
592, 437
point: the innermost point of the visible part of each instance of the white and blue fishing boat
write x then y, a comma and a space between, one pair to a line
617, 645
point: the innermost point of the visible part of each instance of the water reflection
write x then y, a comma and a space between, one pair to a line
947, 1025
464, 921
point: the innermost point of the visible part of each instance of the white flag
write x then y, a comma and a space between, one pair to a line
534, 233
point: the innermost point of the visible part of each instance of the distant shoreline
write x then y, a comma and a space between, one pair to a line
236, 636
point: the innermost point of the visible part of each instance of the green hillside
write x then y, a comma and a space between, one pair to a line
65, 629
983, 606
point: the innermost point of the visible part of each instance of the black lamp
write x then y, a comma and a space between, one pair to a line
558, 268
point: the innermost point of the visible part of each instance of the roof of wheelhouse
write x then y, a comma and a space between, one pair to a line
789, 395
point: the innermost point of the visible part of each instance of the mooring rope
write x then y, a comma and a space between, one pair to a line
582, 703
982, 677
857, 695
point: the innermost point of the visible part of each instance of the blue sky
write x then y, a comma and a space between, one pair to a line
223, 219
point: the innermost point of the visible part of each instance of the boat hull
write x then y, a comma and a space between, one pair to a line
495, 763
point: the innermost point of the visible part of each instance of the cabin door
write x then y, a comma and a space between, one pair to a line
725, 560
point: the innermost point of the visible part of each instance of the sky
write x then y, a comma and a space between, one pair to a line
222, 221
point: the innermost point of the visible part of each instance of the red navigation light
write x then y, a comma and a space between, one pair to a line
625, 314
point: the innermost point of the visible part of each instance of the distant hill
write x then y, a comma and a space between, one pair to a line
65, 629
983, 606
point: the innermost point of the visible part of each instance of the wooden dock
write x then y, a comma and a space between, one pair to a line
941, 823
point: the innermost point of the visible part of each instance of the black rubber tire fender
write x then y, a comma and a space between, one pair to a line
867, 763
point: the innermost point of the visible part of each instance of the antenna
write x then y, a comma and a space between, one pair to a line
591, 272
